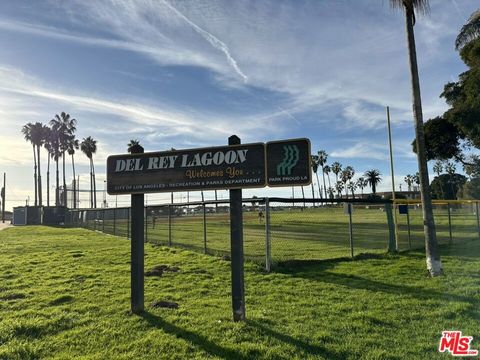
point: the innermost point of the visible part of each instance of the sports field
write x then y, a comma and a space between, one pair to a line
64, 294
296, 233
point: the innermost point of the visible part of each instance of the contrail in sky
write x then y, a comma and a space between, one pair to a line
456, 6
215, 42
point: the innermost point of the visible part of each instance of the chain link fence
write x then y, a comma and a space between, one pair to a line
456, 221
278, 229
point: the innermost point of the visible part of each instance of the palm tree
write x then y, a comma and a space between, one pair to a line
331, 192
35, 133
65, 126
346, 176
339, 187
27, 134
327, 170
438, 169
134, 147
315, 171
89, 147
409, 7
416, 180
373, 179
56, 154
409, 180
361, 183
352, 186
73, 145
470, 31
48, 144
336, 169
322, 160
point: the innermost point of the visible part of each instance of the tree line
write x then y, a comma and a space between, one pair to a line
59, 140
343, 178
454, 137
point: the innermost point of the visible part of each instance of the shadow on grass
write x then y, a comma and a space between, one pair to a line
198, 340
319, 271
299, 344
214, 349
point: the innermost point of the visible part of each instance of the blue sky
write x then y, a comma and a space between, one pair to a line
188, 74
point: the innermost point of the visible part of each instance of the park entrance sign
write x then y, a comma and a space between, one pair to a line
279, 163
233, 167
225, 167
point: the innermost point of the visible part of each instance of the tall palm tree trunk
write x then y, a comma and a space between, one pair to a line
94, 186
35, 174
303, 197
48, 180
57, 187
434, 264
74, 184
324, 184
91, 185
313, 193
318, 184
64, 200
39, 178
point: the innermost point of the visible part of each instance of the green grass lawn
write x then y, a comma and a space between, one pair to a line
64, 294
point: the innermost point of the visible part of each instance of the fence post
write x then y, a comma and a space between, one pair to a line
128, 222
478, 218
169, 225
103, 221
268, 256
391, 228
204, 229
350, 227
145, 211
408, 229
449, 223
114, 221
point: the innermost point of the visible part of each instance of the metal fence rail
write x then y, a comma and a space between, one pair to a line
279, 229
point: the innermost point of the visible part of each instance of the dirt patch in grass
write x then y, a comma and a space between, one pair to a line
158, 270
164, 304
14, 296
61, 300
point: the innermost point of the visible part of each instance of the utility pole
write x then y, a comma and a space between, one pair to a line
393, 179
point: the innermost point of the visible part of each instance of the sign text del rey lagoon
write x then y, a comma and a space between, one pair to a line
279, 163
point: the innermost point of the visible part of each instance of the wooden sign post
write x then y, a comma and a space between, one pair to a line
236, 248
137, 252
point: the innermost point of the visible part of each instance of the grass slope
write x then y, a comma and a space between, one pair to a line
64, 293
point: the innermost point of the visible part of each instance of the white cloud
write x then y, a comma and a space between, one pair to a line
362, 150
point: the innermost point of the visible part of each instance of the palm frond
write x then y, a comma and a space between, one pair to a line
419, 6
470, 31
